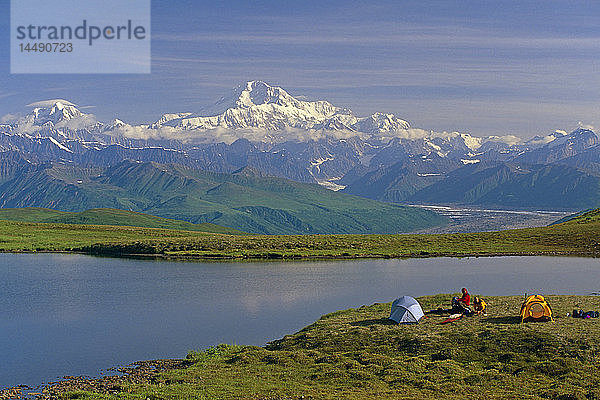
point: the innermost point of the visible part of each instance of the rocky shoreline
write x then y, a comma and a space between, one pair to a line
141, 372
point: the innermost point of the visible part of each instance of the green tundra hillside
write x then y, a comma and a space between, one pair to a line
107, 216
247, 200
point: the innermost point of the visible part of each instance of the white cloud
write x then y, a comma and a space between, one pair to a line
81, 122
50, 103
9, 118
382, 33
511, 140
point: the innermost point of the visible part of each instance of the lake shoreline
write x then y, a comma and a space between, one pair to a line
499, 334
139, 372
286, 257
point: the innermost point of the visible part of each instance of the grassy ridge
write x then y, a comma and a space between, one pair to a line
27, 236
359, 354
107, 216
580, 236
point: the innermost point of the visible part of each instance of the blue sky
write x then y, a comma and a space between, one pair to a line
484, 67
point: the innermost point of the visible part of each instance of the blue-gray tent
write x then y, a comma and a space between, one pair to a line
406, 310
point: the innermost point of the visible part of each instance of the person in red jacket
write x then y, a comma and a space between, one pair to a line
465, 300
461, 304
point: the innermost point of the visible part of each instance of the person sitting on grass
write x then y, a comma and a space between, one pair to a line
479, 306
461, 304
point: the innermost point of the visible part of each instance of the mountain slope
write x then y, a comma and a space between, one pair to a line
107, 216
398, 182
562, 147
557, 186
246, 200
518, 186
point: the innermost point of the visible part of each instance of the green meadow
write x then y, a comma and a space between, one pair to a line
580, 236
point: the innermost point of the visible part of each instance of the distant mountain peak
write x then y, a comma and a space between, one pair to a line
260, 97
543, 140
258, 92
582, 131
249, 172
256, 110
116, 124
53, 111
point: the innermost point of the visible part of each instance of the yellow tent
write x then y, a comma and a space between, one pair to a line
536, 308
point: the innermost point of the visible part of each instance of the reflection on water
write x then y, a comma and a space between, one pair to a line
72, 314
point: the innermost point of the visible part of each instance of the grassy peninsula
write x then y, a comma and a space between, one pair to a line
359, 354
580, 236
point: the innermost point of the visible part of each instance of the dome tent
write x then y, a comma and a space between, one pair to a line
536, 308
406, 310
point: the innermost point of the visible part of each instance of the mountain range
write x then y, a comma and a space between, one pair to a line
246, 200
379, 156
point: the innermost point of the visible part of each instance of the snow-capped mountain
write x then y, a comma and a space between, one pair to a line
57, 118
53, 111
257, 105
264, 127
542, 140
255, 111
562, 146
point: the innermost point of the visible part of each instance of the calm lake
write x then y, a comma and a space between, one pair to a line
76, 315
